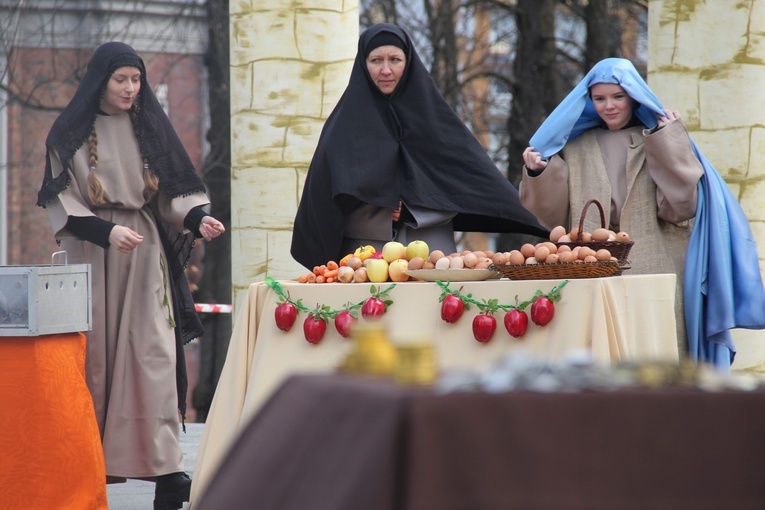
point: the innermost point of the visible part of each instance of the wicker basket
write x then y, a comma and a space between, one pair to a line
564, 270
618, 249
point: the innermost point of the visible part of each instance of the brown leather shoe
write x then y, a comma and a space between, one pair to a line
171, 491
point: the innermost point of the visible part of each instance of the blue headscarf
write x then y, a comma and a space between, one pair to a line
723, 286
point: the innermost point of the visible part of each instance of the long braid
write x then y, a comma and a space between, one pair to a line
95, 189
150, 180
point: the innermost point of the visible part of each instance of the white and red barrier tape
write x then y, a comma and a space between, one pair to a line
207, 308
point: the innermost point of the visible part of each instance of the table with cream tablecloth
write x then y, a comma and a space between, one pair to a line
615, 319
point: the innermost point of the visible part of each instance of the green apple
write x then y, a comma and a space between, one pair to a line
417, 248
377, 270
396, 270
393, 250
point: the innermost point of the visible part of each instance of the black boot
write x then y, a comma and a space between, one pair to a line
171, 491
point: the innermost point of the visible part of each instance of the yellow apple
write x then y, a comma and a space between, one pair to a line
417, 249
377, 270
396, 270
393, 250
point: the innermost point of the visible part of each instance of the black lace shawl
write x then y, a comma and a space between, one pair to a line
167, 158
410, 145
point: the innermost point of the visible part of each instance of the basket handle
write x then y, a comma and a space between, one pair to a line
584, 213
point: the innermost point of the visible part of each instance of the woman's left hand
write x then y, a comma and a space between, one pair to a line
672, 115
210, 228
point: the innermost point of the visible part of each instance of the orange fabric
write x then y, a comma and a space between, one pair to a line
50, 447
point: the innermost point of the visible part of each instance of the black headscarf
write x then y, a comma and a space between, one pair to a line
409, 145
167, 158
157, 138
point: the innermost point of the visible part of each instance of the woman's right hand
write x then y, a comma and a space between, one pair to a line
533, 160
124, 239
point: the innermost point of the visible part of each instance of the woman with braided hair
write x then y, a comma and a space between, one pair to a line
123, 196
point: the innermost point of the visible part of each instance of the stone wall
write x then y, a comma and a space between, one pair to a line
290, 63
706, 58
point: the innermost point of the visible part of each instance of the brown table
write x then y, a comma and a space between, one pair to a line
340, 442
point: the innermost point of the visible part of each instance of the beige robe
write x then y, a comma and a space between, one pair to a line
657, 204
131, 349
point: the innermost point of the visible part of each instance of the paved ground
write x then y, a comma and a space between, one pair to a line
138, 495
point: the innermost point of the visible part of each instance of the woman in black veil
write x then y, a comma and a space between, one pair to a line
395, 162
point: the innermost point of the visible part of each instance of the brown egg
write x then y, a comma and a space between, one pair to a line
416, 263
600, 234
567, 256
488, 253
428, 265
435, 255
552, 258
470, 259
563, 248
573, 234
480, 254
516, 257
556, 233
564, 239
603, 254
584, 252
585, 237
499, 258
590, 258
457, 263
482, 264
550, 246
541, 253
528, 250
622, 236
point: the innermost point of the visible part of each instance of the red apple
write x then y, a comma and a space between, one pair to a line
285, 315
314, 328
452, 308
484, 326
344, 321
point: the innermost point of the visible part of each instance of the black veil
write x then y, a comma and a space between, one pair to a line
409, 145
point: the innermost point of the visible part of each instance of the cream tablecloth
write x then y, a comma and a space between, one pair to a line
616, 319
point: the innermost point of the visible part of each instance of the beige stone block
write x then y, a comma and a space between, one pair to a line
256, 253
751, 200
236, 7
266, 198
256, 140
727, 96
241, 88
677, 91
750, 351
336, 76
301, 5
327, 36
263, 35
301, 139
756, 153
727, 150
286, 88
758, 230
709, 33
756, 50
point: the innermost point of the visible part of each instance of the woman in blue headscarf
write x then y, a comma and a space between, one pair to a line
611, 140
